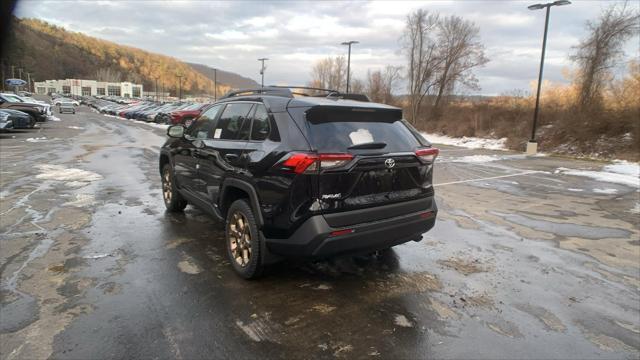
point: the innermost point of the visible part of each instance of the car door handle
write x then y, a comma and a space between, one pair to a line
231, 157
195, 152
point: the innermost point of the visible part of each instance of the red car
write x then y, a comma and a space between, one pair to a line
185, 116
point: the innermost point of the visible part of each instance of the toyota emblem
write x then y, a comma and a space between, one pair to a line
389, 163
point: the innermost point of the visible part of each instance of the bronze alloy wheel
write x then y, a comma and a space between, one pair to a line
240, 239
166, 186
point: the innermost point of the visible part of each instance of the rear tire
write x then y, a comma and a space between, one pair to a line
172, 198
243, 240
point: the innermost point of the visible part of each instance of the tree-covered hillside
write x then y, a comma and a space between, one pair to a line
51, 52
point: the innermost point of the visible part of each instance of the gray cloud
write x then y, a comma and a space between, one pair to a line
232, 34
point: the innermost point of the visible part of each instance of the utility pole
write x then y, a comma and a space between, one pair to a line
179, 76
349, 43
262, 69
29, 82
532, 145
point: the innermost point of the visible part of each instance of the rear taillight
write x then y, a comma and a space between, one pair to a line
304, 162
427, 155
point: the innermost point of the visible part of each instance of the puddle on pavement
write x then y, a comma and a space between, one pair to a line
565, 229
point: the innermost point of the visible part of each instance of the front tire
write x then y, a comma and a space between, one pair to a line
243, 240
172, 198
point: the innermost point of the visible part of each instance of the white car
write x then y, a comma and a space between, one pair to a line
65, 100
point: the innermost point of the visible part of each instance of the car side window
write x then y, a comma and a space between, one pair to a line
230, 123
260, 128
202, 126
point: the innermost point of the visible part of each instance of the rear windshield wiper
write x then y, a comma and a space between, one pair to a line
369, 145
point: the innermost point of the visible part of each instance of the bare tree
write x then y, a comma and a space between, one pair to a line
357, 86
108, 75
598, 53
380, 84
329, 73
422, 56
459, 51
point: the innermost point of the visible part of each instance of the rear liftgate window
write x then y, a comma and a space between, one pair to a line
335, 130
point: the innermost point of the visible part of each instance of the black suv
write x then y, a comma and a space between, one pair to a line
302, 176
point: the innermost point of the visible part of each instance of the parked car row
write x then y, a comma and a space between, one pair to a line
149, 111
16, 119
22, 113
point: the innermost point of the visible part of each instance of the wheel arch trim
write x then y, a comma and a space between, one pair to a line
246, 187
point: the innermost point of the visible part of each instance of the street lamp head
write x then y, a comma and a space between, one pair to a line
542, 6
350, 42
561, 2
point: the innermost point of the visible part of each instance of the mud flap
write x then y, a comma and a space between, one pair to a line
267, 257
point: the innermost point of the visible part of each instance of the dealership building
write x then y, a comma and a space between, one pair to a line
88, 88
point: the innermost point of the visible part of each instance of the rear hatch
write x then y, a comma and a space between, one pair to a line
368, 158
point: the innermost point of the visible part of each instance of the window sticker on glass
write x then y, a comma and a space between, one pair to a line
361, 136
217, 134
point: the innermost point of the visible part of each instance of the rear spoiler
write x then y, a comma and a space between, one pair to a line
323, 113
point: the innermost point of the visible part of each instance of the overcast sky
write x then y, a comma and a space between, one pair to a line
231, 35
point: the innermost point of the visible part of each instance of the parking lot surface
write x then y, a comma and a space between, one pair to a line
525, 261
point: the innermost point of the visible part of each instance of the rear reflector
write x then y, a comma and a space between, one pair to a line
427, 215
427, 155
341, 232
304, 162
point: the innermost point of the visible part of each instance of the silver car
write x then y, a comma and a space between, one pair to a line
66, 107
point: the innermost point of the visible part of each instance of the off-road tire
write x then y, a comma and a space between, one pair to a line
253, 268
172, 198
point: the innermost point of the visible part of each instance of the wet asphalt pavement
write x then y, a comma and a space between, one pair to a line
524, 262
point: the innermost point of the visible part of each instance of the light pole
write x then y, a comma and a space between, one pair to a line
179, 76
349, 43
532, 145
262, 68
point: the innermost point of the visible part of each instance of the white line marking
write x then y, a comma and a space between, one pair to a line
489, 178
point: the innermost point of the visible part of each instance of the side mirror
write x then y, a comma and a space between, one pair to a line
175, 131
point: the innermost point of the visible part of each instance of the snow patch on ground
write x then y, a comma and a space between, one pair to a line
475, 159
635, 209
621, 172
53, 118
75, 127
575, 190
76, 184
61, 173
467, 142
481, 158
81, 200
624, 167
35, 140
402, 321
155, 125
605, 191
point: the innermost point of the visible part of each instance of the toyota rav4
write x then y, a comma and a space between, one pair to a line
301, 176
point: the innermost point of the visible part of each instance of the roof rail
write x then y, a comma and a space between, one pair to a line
330, 91
286, 91
265, 90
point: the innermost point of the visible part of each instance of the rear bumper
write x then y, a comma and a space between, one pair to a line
314, 237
